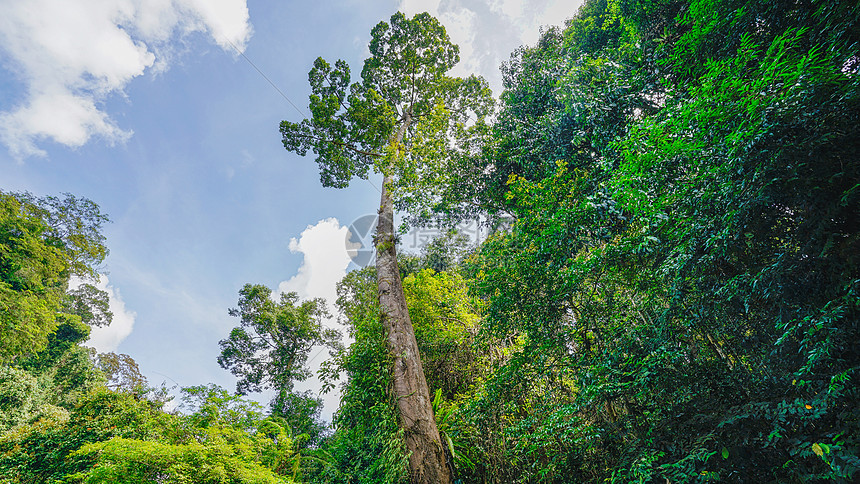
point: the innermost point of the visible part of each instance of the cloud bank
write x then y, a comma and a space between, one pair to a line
108, 338
487, 31
71, 55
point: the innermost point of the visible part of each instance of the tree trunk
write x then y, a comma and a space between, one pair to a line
427, 463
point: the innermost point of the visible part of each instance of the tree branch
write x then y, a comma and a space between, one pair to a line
339, 143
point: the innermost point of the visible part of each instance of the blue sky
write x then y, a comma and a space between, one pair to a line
146, 108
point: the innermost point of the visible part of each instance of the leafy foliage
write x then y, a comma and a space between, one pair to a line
119, 437
122, 373
43, 242
124, 460
404, 83
270, 347
676, 299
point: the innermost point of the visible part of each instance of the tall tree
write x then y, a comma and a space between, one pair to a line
410, 121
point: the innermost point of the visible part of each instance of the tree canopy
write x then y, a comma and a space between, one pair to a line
44, 242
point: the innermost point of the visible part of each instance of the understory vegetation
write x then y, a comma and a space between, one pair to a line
670, 291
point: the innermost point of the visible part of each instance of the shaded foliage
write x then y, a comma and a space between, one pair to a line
677, 297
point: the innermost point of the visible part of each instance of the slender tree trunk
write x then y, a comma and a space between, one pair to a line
427, 463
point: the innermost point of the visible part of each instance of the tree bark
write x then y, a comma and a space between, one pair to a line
427, 462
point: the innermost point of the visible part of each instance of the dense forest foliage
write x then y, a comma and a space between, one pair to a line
669, 292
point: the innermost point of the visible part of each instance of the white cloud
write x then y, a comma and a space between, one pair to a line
72, 54
225, 20
325, 262
108, 338
487, 31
